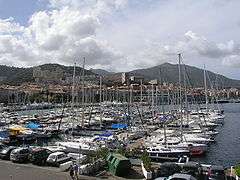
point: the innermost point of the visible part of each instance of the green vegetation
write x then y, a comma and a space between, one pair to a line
101, 153
146, 161
237, 169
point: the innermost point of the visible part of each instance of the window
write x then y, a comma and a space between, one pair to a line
61, 156
153, 154
53, 157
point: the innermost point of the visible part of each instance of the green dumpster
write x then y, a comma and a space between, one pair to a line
118, 165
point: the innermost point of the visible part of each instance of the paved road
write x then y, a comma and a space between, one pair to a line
11, 171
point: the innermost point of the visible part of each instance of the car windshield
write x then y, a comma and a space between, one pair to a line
61, 156
217, 172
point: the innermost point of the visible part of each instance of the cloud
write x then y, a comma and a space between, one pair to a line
122, 35
63, 34
96, 7
232, 61
8, 26
209, 49
191, 46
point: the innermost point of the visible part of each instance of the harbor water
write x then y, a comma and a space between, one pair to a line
225, 151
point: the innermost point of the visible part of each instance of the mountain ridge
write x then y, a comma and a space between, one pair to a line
165, 72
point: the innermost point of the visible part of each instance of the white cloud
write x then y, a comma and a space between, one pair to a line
61, 35
9, 26
95, 7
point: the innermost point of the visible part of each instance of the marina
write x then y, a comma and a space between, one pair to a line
119, 89
152, 130
201, 142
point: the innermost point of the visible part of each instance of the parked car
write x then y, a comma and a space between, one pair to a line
192, 168
216, 173
57, 158
5, 152
20, 155
38, 156
181, 177
2, 146
177, 176
167, 169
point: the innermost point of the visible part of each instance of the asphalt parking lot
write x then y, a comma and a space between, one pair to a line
13, 171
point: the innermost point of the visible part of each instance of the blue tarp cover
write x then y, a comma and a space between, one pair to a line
32, 125
4, 134
105, 134
119, 126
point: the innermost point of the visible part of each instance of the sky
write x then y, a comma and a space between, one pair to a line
121, 35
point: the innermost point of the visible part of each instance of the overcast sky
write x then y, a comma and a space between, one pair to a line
121, 35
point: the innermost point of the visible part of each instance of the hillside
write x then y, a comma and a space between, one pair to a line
101, 72
16, 76
169, 73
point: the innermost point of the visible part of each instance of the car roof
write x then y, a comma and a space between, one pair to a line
57, 153
38, 149
9, 148
191, 163
20, 148
183, 176
214, 167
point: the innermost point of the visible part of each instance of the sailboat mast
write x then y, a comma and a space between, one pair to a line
83, 91
73, 93
73, 86
205, 87
141, 96
180, 95
100, 101
185, 93
152, 100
